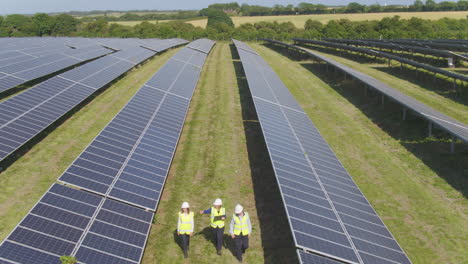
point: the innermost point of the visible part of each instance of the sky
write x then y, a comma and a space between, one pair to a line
35, 6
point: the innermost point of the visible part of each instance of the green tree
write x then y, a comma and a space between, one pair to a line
375, 8
43, 24
417, 6
145, 30
19, 26
120, 31
98, 28
447, 6
462, 5
216, 16
64, 25
354, 7
313, 25
430, 5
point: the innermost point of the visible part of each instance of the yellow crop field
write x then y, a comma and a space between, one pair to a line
300, 20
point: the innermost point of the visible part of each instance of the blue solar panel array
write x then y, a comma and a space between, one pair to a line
451, 125
25, 115
21, 69
327, 212
67, 222
160, 45
95, 228
129, 160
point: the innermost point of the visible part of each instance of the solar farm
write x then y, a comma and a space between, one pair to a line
342, 151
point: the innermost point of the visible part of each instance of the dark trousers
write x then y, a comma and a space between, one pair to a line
242, 243
185, 242
218, 234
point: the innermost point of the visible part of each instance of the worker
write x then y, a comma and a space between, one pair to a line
217, 215
240, 229
185, 227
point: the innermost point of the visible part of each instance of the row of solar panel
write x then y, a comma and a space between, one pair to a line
384, 55
327, 212
27, 114
129, 160
454, 127
22, 65
446, 45
392, 46
141, 140
67, 222
19, 72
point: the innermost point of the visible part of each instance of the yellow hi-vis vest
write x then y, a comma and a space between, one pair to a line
240, 225
216, 217
186, 221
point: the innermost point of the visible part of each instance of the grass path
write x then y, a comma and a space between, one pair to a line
427, 215
211, 161
30, 176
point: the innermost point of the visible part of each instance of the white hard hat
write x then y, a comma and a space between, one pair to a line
185, 205
218, 202
239, 209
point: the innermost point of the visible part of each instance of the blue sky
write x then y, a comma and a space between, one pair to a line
34, 6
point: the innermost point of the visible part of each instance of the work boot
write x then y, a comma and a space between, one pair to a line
219, 252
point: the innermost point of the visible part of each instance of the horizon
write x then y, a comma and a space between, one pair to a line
60, 6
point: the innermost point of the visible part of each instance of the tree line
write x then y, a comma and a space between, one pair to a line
257, 10
353, 7
220, 27
146, 17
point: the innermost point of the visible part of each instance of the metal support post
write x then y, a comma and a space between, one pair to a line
430, 129
452, 145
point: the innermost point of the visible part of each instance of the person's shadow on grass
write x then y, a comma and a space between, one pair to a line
208, 235
178, 241
228, 242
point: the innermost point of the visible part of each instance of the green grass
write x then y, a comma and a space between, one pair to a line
412, 190
416, 187
30, 176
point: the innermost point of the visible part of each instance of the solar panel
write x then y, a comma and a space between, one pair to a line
130, 158
452, 126
202, 45
52, 228
395, 46
387, 56
67, 221
308, 258
25, 115
26, 70
95, 228
327, 212
159, 45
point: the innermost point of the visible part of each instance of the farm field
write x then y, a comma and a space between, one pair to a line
300, 20
417, 188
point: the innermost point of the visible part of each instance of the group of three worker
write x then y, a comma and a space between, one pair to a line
240, 227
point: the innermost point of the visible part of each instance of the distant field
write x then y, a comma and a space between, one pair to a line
300, 20
119, 14
133, 23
